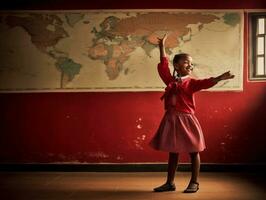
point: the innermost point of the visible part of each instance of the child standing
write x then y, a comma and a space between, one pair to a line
179, 130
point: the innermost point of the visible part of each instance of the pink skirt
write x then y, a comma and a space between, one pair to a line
178, 132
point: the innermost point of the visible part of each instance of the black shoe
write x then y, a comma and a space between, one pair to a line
192, 187
165, 187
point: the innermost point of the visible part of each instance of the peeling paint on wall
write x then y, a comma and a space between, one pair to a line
138, 141
139, 123
98, 154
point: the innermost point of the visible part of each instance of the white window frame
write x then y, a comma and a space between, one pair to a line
253, 47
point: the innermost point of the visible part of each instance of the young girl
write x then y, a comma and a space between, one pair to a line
179, 130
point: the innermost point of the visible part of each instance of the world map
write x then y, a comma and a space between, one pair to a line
114, 50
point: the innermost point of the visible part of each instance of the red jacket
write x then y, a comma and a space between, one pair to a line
179, 94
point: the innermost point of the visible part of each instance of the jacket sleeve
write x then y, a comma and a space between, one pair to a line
199, 84
164, 71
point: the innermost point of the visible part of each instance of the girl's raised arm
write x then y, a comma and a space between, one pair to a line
163, 66
161, 42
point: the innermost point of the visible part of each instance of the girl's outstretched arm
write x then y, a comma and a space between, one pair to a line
197, 85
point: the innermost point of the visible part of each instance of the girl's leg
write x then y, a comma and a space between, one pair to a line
172, 165
193, 185
195, 165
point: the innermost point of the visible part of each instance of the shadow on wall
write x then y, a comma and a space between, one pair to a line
252, 129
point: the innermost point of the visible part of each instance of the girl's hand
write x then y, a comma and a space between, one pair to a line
161, 41
225, 76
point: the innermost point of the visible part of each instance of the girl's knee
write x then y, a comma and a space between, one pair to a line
194, 154
174, 154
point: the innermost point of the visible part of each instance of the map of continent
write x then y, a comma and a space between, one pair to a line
114, 50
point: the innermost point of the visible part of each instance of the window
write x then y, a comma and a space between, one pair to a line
257, 46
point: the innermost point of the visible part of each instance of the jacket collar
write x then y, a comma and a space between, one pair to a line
182, 77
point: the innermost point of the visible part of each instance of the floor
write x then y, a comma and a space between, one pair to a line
131, 185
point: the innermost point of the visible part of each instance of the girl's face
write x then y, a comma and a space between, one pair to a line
184, 66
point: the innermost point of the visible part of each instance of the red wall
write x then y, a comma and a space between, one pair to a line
116, 127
